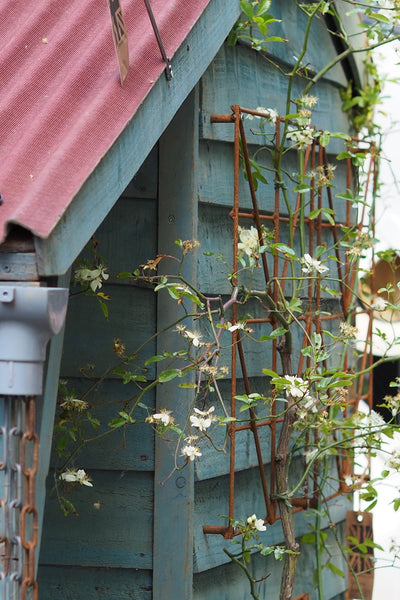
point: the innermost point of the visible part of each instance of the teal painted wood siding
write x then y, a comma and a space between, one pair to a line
106, 551
133, 538
239, 76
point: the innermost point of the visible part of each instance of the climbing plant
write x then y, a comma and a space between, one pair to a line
305, 286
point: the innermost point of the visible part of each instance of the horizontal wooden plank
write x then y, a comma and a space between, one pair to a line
240, 76
216, 180
212, 465
131, 319
18, 266
258, 353
130, 448
216, 253
211, 501
291, 26
145, 183
127, 238
113, 527
74, 583
219, 583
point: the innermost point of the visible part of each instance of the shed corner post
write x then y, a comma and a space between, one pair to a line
174, 500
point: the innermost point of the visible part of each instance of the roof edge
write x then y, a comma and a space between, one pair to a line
116, 169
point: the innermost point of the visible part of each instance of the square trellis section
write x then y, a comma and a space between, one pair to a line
316, 230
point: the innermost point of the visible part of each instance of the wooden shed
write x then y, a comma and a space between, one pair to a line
137, 166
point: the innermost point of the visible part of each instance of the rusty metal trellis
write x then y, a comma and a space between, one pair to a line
18, 513
312, 320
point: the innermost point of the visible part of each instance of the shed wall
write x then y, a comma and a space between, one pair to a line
106, 551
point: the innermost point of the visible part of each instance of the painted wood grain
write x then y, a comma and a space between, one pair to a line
211, 504
71, 583
113, 527
46, 406
131, 319
144, 184
226, 582
248, 80
173, 501
129, 448
216, 179
291, 26
18, 266
127, 238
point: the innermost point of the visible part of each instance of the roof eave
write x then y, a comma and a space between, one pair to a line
102, 189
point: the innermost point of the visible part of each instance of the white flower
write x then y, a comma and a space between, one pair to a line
348, 331
270, 113
309, 455
76, 476
256, 523
94, 277
249, 243
308, 100
309, 403
311, 265
74, 404
202, 419
296, 386
303, 136
394, 461
191, 452
239, 325
193, 336
380, 304
164, 417
373, 420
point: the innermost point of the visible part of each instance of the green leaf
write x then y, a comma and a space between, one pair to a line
274, 334
270, 373
302, 188
379, 17
324, 138
104, 308
116, 423
308, 538
169, 374
263, 6
284, 248
334, 569
153, 359
247, 9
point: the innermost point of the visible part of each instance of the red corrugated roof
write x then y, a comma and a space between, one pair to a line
61, 104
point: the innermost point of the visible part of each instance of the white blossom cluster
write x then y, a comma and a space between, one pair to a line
256, 523
311, 265
93, 277
76, 476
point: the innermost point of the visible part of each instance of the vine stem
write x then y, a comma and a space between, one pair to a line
282, 465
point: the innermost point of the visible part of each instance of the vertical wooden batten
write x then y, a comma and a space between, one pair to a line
173, 502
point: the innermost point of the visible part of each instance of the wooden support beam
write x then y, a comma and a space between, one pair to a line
173, 502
